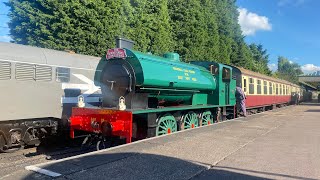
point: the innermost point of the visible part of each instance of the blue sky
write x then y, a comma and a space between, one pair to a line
4, 30
289, 28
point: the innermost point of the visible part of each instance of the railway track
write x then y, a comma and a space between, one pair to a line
48, 151
12, 162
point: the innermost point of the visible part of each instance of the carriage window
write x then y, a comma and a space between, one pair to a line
226, 76
251, 86
245, 85
280, 89
259, 87
265, 87
214, 70
62, 74
277, 89
270, 88
5, 70
285, 89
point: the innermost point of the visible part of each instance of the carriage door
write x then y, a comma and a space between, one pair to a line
226, 78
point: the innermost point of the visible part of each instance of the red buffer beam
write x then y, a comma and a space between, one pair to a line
107, 122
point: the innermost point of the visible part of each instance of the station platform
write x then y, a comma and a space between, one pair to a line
279, 144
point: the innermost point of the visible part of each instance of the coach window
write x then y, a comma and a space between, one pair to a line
286, 90
270, 88
277, 89
226, 75
251, 86
259, 87
265, 87
245, 85
62, 74
280, 89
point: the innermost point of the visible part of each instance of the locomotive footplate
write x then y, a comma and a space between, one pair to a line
105, 122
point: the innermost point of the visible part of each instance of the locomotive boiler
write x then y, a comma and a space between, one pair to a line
148, 81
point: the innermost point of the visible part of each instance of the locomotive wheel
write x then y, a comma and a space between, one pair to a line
206, 118
87, 142
103, 143
189, 120
5, 149
166, 124
2, 144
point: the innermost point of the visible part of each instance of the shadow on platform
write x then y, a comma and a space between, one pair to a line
102, 165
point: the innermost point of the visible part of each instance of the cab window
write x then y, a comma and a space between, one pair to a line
214, 69
226, 75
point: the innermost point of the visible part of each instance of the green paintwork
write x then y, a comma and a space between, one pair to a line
172, 98
168, 109
166, 125
224, 94
207, 118
198, 99
190, 120
169, 80
157, 71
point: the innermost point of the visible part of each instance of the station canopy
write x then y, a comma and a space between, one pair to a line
312, 79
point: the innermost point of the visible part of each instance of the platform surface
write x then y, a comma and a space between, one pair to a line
282, 144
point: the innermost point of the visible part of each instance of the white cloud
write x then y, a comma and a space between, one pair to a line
251, 22
5, 38
310, 68
273, 67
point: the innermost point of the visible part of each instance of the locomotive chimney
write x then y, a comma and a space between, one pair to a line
124, 43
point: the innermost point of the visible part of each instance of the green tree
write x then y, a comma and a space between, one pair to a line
232, 48
83, 26
261, 58
288, 70
189, 28
242, 56
150, 27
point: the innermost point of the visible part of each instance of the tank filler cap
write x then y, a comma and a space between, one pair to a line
172, 56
